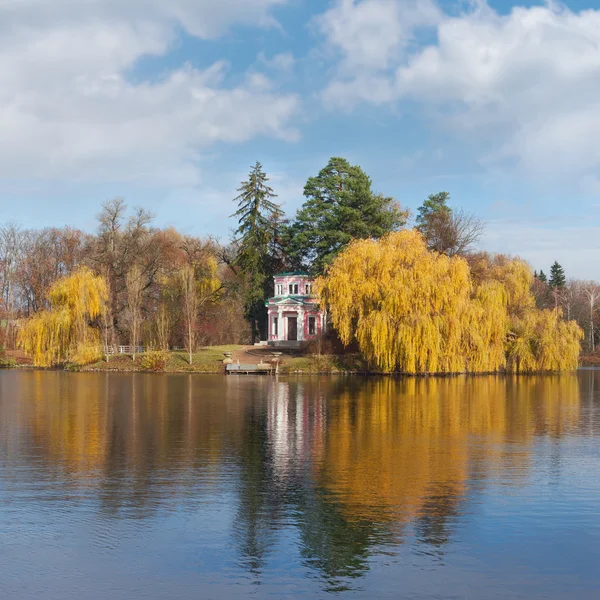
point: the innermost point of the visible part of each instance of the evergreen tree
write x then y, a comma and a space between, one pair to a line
542, 277
557, 276
447, 231
257, 240
435, 207
340, 206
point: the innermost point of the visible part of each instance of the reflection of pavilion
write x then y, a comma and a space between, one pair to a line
295, 425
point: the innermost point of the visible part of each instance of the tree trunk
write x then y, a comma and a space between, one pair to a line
592, 345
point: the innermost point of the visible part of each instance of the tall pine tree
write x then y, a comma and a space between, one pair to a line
258, 244
340, 206
557, 276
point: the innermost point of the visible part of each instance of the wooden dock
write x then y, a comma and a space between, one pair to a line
260, 369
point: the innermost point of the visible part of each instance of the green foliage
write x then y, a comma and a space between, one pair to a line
542, 277
155, 361
434, 207
340, 206
5, 361
257, 238
557, 276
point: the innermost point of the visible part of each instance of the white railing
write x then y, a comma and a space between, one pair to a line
123, 350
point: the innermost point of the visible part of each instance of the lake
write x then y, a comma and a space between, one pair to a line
121, 486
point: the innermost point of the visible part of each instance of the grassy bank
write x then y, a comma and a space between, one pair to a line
324, 363
210, 360
205, 360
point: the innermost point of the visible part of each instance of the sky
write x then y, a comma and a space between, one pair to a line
168, 104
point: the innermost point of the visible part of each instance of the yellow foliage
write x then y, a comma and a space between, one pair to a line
394, 446
155, 361
209, 281
63, 333
417, 311
90, 352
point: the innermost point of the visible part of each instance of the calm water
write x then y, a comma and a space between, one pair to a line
154, 487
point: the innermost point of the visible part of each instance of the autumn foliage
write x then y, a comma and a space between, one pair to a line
63, 333
413, 310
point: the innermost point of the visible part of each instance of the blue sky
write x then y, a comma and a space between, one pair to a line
168, 104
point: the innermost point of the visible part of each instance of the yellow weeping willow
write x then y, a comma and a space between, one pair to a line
63, 334
416, 311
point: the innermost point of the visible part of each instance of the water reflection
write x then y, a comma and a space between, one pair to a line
346, 470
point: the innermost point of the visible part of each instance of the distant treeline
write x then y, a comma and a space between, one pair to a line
165, 289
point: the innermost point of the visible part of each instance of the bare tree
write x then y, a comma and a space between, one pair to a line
569, 297
11, 242
163, 326
108, 330
452, 232
190, 305
591, 291
135, 287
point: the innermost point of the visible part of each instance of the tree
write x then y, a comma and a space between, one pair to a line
591, 291
135, 288
65, 332
189, 302
436, 205
163, 326
340, 206
11, 244
108, 332
416, 311
557, 276
259, 224
122, 242
448, 231
47, 255
542, 277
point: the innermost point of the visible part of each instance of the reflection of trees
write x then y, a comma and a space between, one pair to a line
334, 545
136, 438
258, 504
348, 467
409, 452
406, 450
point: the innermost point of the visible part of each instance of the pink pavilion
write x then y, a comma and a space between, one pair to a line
294, 314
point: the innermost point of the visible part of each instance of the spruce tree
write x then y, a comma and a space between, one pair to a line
259, 224
557, 276
542, 277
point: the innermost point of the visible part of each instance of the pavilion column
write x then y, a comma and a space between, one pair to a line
280, 325
300, 324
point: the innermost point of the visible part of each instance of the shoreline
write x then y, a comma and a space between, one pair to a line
209, 361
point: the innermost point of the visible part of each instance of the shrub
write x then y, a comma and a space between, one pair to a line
7, 363
155, 361
86, 354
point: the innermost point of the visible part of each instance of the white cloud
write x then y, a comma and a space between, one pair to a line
283, 62
372, 34
69, 110
526, 85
